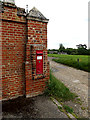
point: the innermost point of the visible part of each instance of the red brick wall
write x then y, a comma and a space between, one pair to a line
0, 58
13, 57
13, 49
19, 54
10, 13
37, 32
37, 40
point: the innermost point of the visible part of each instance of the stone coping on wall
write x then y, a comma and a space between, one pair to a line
35, 14
38, 19
9, 4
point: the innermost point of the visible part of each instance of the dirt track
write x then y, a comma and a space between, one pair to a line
75, 80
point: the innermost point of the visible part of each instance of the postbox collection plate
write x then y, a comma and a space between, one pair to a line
39, 57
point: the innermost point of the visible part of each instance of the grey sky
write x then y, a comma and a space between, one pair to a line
68, 20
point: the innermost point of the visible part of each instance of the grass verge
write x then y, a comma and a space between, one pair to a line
77, 61
68, 109
58, 90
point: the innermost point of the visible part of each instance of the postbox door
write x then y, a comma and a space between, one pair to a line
39, 62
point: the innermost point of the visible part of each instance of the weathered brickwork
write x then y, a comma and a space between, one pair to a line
13, 49
0, 57
37, 40
12, 12
22, 36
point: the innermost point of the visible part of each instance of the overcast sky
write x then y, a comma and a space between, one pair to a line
68, 20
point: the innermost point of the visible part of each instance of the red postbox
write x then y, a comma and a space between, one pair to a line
39, 62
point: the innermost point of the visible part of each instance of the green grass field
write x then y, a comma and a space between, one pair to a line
72, 60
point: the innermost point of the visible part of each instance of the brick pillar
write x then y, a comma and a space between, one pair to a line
37, 40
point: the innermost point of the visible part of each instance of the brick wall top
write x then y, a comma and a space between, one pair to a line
10, 1
12, 12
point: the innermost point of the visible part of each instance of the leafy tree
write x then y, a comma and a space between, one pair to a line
61, 48
82, 49
81, 46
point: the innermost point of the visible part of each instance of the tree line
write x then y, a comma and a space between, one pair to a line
81, 50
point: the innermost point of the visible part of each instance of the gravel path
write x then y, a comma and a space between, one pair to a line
75, 80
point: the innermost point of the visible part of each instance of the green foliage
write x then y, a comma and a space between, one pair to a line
81, 46
68, 109
72, 60
61, 48
81, 50
88, 51
58, 89
71, 51
60, 108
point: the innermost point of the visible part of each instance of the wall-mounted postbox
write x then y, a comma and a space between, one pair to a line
39, 62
